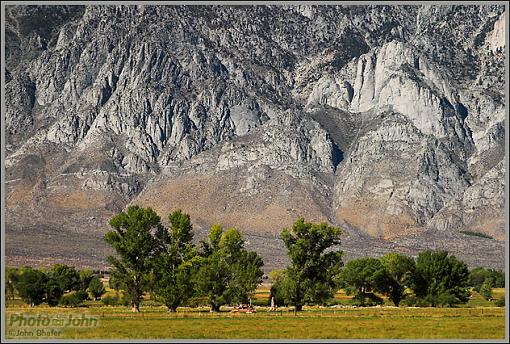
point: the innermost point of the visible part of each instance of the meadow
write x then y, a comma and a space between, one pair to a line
479, 319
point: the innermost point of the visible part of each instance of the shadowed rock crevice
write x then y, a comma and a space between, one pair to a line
338, 156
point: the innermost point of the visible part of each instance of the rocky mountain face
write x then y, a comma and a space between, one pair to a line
385, 120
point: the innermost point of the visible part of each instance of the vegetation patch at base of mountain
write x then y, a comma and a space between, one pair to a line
477, 234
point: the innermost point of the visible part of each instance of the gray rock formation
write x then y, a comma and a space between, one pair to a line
386, 120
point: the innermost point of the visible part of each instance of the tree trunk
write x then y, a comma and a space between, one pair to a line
172, 309
137, 294
299, 308
215, 308
135, 307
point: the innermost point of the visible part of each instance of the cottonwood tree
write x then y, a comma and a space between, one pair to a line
477, 277
364, 277
96, 288
400, 269
174, 266
54, 291
313, 274
67, 277
86, 275
134, 239
31, 286
441, 279
245, 266
227, 272
247, 275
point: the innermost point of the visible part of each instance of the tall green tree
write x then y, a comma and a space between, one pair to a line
247, 275
86, 275
54, 291
114, 284
173, 270
313, 274
364, 277
486, 289
96, 288
134, 239
227, 272
400, 269
31, 286
244, 266
213, 274
74, 299
66, 276
441, 279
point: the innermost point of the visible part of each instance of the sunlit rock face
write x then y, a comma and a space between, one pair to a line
386, 120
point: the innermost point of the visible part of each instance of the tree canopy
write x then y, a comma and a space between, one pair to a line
441, 279
313, 274
400, 270
134, 240
96, 287
227, 272
31, 286
363, 277
173, 267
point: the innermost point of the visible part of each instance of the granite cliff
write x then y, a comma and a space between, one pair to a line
385, 120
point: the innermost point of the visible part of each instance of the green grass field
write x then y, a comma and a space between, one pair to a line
479, 319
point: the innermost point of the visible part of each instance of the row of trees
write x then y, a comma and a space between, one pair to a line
224, 272
60, 285
316, 273
434, 278
166, 262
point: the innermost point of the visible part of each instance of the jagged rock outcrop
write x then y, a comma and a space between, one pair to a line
386, 120
496, 38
